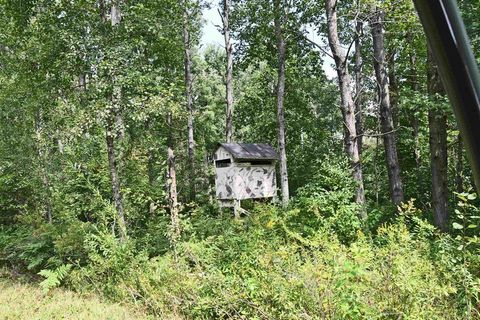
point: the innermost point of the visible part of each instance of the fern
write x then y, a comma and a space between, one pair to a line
53, 278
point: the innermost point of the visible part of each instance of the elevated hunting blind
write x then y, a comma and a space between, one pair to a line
244, 171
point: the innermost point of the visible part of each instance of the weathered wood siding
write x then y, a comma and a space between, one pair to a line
222, 154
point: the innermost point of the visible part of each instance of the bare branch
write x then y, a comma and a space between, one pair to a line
318, 46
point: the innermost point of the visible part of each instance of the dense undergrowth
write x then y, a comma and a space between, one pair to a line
300, 263
314, 260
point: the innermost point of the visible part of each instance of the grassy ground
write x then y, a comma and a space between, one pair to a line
23, 301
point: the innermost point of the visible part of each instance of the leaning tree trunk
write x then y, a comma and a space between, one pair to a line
359, 84
437, 125
281, 48
189, 96
114, 131
347, 104
229, 71
386, 116
172, 186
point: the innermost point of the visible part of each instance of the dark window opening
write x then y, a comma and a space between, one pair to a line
223, 163
258, 162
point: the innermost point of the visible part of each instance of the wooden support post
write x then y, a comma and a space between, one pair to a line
237, 208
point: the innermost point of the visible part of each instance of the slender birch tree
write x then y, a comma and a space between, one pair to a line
279, 21
172, 184
114, 132
187, 55
229, 71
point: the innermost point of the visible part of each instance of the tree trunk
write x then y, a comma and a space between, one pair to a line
189, 96
42, 152
117, 110
112, 133
386, 116
414, 117
172, 185
359, 84
115, 13
393, 88
103, 10
116, 18
229, 72
377, 172
459, 165
347, 104
437, 125
281, 48
114, 179
151, 177
82, 82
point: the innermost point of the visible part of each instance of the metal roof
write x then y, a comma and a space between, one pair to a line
249, 151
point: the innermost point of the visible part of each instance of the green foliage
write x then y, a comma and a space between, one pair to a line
327, 203
465, 248
53, 278
27, 248
257, 268
266, 266
312, 260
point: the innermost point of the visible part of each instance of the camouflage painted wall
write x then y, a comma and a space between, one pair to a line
243, 181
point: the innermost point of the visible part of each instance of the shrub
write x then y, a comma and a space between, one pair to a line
26, 248
266, 266
327, 204
252, 268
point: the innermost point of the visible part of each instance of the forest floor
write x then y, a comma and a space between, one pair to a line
26, 301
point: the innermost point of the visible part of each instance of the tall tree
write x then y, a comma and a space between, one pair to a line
113, 131
189, 93
414, 86
279, 21
386, 112
347, 104
42, 152
172, 184
116, 18
437, 125
229, 71
359, 83
459, 165
393, 86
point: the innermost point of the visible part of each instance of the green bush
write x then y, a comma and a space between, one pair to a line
255, 268
327, 204
310, 261
27, 248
